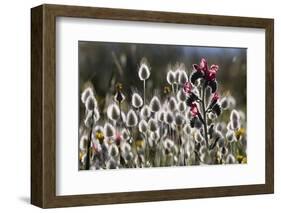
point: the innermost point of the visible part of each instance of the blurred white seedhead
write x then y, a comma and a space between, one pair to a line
171, 78
125, 134
230, 136
230, 159
89, 119
83, 143
154, 136
137, 101
172, 104
182, 77
169, 117
145, 112
212, 116
182, 106
111, 164
231, 102
187, 129
235, 119
181, 95
86, 93
96, 145
113, 150
109, 130
161, 115
91, 103
143, 126
198, 137
168, 144
152, 125
125, 149
132, 119
179, 119
144, 70
113, 112
155, 104
224, 103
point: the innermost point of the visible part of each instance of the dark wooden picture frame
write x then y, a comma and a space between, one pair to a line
43, 105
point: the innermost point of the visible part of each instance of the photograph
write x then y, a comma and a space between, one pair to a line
160, 105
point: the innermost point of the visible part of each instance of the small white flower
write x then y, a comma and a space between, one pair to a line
137, 101
155, 104
171, 77
132, 119
113, 112
144, 70
234, 116
142, 126
109, 130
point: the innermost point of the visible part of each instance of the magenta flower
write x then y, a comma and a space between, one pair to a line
215, 96
187, 87
208, 73
194, 109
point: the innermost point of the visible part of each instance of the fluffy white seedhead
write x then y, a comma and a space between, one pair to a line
161, 116
113, 150
125, 134
169, 117
179, 119
89, 119
109, 130
172, 104
155, 104
230, 136
144, 70
182, 106
230, 159
171, 78
113, 112
231, 102
187, 129
143, 126
235, 119
198, 137
145, 112
132, 119
137, 101
168, 144
182, 77
152, 125
96, 114
86, 93
224, 103
177, 75
181, 95
234, 116
83, 143
91, 103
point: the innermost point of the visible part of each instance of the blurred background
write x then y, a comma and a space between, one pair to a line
105, 63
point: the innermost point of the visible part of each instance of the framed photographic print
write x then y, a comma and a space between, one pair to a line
136, 106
